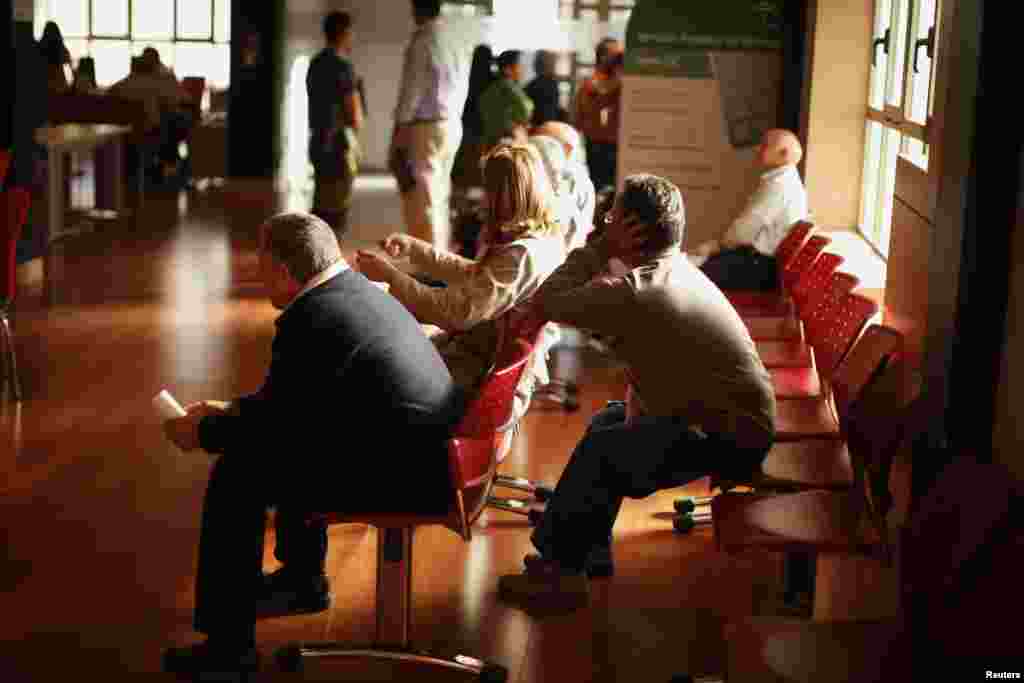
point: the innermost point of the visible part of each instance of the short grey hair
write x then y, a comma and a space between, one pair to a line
302, 242
658, 204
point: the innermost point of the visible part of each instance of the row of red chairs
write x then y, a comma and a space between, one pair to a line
844, 411
14, 205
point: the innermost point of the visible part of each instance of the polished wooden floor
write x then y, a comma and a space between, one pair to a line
100, 514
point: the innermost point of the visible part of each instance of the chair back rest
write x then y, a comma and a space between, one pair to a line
876, 347
14, 204
815, 278
473, 451
194, 87
792, 243
802, 261
821, 303
5, 162
833, 335
876, 425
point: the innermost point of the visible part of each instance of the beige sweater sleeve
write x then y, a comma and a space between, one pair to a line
486, 290
439, 264
575, 295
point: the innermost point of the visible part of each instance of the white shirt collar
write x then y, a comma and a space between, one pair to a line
331, 271
776, 173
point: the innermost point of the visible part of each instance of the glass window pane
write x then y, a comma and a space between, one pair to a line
880, 65
921, 77
222, 21
915, 151
113, 60
71, 15
887, 188
110, 17
872, 166
195, 20
897, 53
153, 20
208, 61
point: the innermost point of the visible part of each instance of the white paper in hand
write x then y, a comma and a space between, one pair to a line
167, 407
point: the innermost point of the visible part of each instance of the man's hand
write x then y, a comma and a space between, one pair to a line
204, 408
374, 266
629, 245
183, 431
396, 245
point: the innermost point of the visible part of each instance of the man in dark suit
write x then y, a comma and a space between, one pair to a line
346, 357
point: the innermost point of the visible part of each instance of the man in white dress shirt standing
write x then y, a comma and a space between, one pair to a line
744, 257
428, 124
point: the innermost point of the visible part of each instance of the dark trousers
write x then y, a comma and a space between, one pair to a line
742, 268
231, 538
243, 486
602, 162
614, 460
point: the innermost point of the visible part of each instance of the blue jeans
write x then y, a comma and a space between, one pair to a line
614, 460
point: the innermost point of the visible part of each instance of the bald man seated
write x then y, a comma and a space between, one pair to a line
744, 257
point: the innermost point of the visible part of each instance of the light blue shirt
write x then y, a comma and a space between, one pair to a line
435, 76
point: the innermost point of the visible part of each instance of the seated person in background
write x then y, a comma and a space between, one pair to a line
345, 353
521, 246
163, 98
85, 77
578, 185
744, 257
699, 400
543, 89
505, 110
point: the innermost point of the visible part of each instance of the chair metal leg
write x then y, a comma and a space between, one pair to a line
394, 616
10, 374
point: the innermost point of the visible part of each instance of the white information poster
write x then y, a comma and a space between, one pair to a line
702, 83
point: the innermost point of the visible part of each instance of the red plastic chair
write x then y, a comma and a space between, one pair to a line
819, 417
775, 303
472, 460
796, 353
14, 205
780, 303
5, 162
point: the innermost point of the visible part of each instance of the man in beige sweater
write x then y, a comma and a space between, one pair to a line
700, 401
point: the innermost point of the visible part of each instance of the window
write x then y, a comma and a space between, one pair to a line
192, 36
467, 8
613, 11
899, 108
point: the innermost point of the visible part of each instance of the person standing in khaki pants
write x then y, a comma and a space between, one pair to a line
428, 125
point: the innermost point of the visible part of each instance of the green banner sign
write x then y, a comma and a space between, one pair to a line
663, 37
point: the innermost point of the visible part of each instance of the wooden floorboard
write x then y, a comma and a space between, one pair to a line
100, 514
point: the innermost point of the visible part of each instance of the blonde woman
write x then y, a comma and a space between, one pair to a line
522, 245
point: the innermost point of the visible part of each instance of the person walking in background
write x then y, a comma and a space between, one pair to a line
335, 115
505, 108
543, 90
597, 112
467, 172
428, 124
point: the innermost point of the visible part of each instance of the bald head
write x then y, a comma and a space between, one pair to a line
779, 147
565, 134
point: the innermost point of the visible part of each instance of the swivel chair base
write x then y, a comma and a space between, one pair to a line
291, 659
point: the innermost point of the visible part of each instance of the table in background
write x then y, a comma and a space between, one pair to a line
79, 138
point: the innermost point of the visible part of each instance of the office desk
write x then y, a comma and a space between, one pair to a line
77, 137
